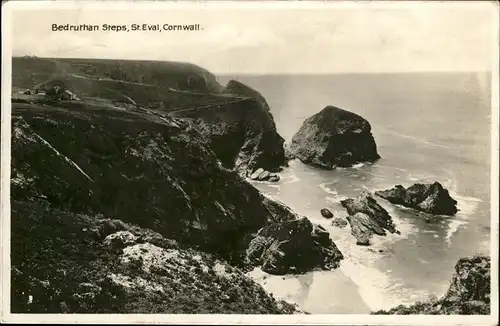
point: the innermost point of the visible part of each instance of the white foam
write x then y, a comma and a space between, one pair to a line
376, 288
324, 187
453, 227
358, 166
390, 167
418, 140
294, 178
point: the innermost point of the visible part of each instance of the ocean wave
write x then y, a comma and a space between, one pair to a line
377, 289
294, 178
418, 140
390, 167
324, 187
453, 227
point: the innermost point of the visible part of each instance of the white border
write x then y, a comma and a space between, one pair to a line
233, 319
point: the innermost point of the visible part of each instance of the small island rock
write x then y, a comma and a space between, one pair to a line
430, 198
334, 137
326, 213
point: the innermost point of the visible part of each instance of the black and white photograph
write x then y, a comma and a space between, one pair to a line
250, 162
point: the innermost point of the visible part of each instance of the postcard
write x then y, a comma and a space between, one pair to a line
234, 162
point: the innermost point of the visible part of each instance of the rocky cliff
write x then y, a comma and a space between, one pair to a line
334, 137
241, 132
73, 263
235, 120
468, 294
144, 169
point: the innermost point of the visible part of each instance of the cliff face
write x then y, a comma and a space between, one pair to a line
141, 168
136, 168
235, 121
334, 137
241, 131
468, 294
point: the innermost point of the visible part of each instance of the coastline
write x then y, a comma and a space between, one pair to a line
312, 291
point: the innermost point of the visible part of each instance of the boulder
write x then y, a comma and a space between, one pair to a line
430, 198
262, 175
339, 222
255, 175
367, 217
326, 213
334, 137
363, 228
120, 239
274, 177
293, 247
277, 211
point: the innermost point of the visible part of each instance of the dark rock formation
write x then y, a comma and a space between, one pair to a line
326, 213
363, 227
334, 137
468, 294
135, 167
277, 211
241, 131
339, 222
293, 247
430, 198
262, 175
367, 218
62, 263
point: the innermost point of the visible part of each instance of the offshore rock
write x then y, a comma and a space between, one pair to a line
339, 222
334, 137
430, 198
326, 213
367, 218
293, 247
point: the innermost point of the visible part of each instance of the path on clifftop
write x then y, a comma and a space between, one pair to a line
216, 102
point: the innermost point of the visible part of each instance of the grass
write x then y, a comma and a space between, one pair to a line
30, 71
60, 262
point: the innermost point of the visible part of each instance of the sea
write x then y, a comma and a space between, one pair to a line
428, 127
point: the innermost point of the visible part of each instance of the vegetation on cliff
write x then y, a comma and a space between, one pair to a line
468, 294
73, 263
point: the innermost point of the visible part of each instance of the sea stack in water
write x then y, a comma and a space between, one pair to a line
367, 218
430, 198
334, 137
325, 212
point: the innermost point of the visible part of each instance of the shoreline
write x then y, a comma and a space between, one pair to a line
315, 292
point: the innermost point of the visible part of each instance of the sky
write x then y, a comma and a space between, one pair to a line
279, 38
